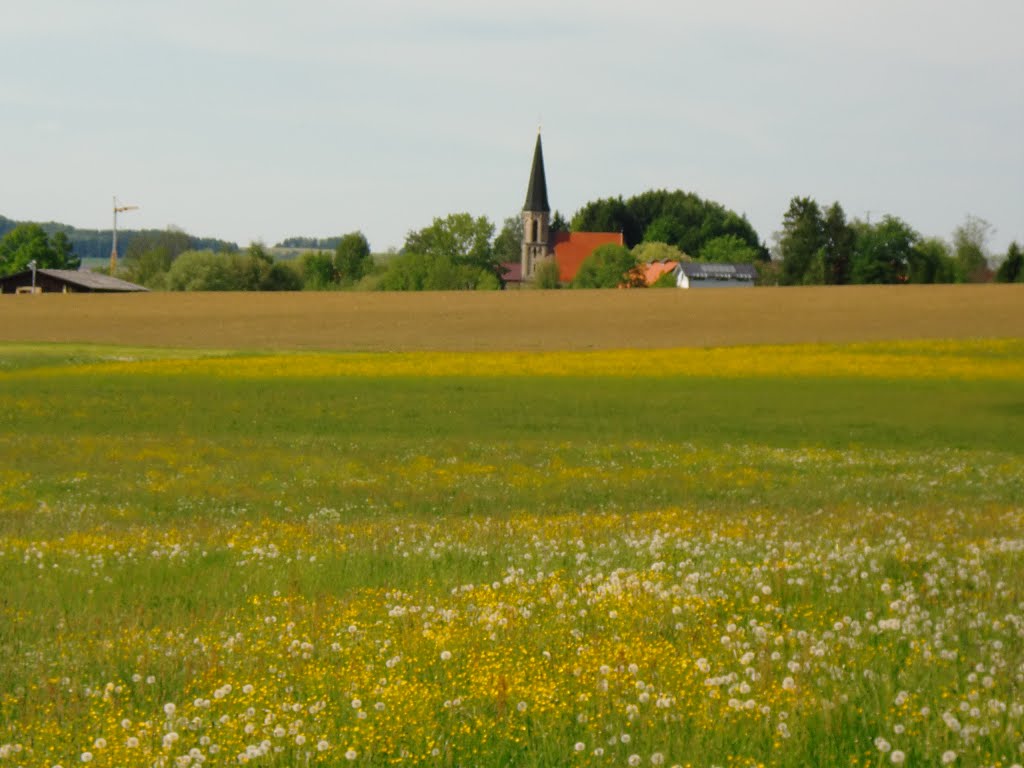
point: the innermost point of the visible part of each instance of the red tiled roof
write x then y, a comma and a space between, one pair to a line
656, 269
573, 248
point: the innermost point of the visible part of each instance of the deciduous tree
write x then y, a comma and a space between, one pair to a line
29, 242
609, 266
802, 241
883, 251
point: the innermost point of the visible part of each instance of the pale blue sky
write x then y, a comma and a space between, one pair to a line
260, 120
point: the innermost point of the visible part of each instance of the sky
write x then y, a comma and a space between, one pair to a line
257, 120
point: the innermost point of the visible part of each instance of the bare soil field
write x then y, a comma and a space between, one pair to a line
517, 320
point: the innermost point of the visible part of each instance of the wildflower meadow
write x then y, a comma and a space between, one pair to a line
748, 556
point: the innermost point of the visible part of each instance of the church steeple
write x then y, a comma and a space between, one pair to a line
536, 217
537, 191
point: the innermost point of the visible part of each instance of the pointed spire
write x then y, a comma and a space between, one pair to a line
537, 191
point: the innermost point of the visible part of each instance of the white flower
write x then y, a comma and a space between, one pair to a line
300, 739
351, 754
521, 706
580, 746
657, 759
625, 738
322, 745
169, 709
948, 757
634, 760
882, 745
356, 703
86, 757
132, 743
446, 655
100, 743
247, 689
897, 757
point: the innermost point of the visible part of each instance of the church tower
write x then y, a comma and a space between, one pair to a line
536, 217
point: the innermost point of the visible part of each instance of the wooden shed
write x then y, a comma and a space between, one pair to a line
65, 281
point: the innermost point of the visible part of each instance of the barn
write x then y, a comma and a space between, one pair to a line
65, 281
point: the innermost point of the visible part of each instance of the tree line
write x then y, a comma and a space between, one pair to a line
819, 246
816, 246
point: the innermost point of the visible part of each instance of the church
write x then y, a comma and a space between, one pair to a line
568, 249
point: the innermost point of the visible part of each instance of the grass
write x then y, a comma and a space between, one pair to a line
773, 556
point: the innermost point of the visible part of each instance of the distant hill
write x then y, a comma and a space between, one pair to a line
93, 244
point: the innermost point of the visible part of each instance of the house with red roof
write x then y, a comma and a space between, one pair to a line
567, 249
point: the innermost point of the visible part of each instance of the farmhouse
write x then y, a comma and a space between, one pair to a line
65, 281
697, 274
568, 249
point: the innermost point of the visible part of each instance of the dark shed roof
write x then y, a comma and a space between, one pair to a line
537, 191
77, 280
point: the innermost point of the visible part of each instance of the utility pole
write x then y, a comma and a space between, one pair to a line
113, 251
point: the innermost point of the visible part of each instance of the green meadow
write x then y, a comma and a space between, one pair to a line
201, 567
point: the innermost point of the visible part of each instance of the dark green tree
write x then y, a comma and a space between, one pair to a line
802, 242
839, 243
1012, 268
318, 271
558, 223
883, 251
64, 250
508, 245
609, 266
608, 215
352, 259
929, 261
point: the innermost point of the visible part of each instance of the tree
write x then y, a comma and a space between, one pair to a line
352, 258
419, 272
1012, 268
608, 215
729, 249
558, 223
883, 251
280, 277
970, 249
837, 257
29, 242
675, 217
150, 254
508, 245
929, 261
647, 252
317, 270
802, 241
609, 266
546, 275
459, 237
64, 251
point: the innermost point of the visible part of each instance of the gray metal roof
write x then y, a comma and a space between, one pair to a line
91, 280
702, 270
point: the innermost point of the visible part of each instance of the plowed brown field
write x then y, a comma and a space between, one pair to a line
517, 320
